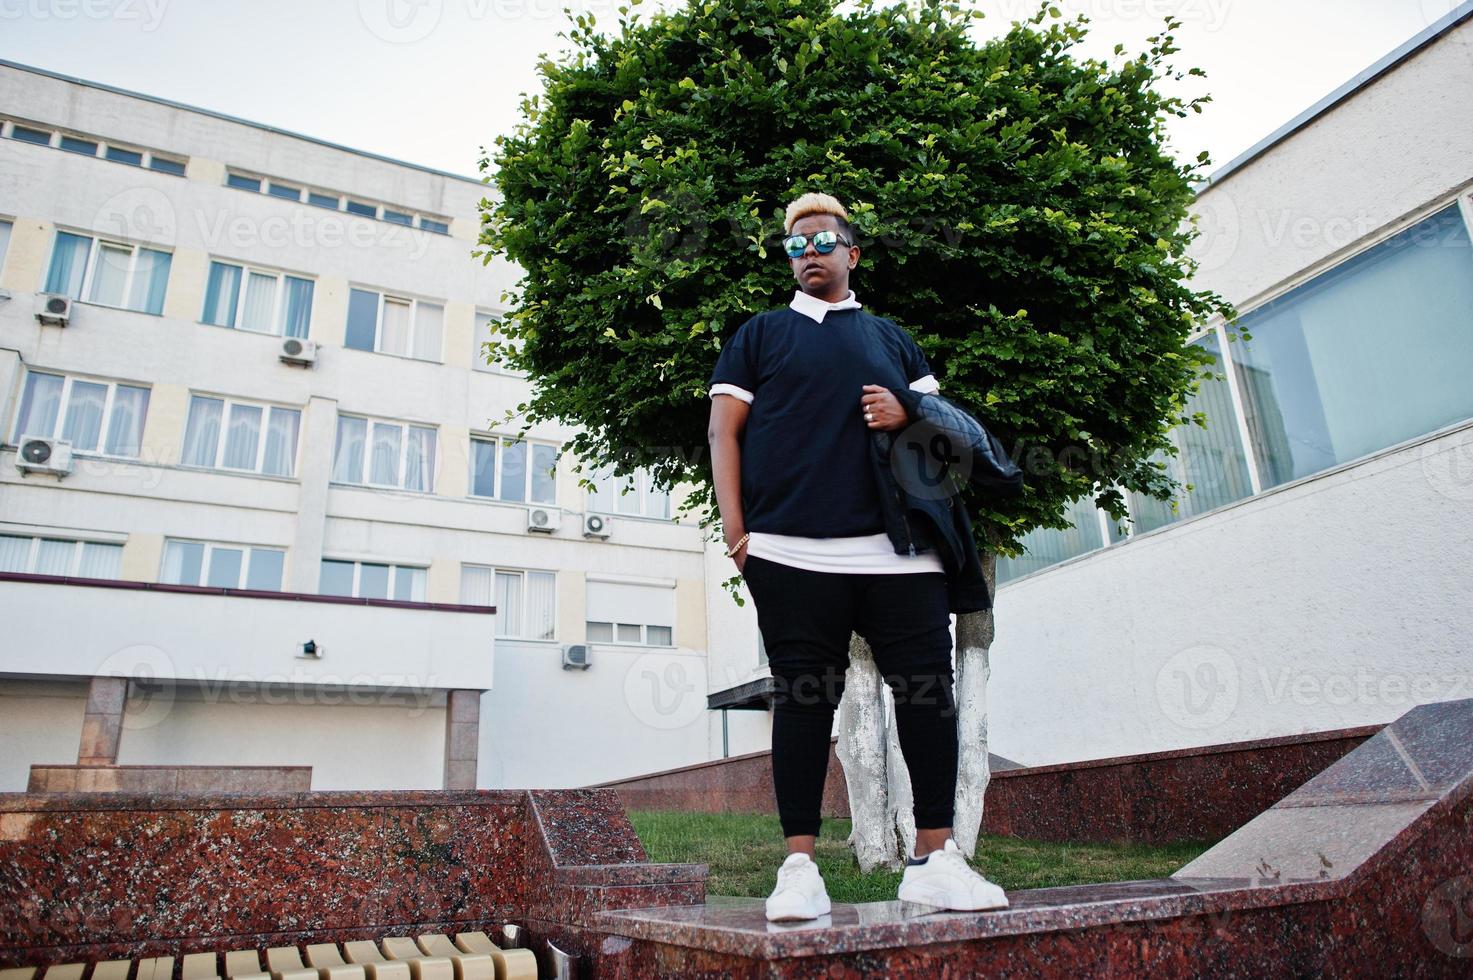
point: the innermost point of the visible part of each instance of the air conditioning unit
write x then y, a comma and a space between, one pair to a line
53, 309
38, 454
295, 350
595, 526
545, 519
575, 657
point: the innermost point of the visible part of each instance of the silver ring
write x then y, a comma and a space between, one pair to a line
868, 417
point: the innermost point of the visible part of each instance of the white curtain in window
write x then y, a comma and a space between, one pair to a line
222, 293
68, 265
183, 562
383, 463
55, 557
429, 327
541, 602
508, 604
202, 431
101, 560
419, 459
627, 602
477, 585
627, 495
111, 274
298, 307
394, 335
83, 425
243, 437
485, 331
347, 462
125, 427
39, 405
281, 441
259, 313
15, 553
544, 483
150, 277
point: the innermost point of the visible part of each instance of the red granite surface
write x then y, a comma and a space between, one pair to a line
169, 779
1150, 798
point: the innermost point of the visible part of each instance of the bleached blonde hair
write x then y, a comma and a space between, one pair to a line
810, 204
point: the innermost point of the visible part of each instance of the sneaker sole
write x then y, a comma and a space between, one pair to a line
825, 907
937, 900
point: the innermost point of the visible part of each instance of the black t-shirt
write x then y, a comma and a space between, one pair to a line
805, 448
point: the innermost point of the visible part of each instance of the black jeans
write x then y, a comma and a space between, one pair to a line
806, 618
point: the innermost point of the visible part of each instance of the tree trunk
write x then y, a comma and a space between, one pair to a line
880, 800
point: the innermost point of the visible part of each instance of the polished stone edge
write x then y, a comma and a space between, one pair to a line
629, 874
316, 799
1033, 911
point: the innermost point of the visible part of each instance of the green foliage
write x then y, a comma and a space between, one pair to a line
1018, 212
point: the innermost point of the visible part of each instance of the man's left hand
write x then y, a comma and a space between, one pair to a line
881, 410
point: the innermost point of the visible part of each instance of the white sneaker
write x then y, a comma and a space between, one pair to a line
800, 893
947, 881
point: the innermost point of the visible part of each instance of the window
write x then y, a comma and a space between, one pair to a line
394, 325
1212, 460
74, 145
119, 155
508, 459
371, 580
398, 217
94, 416
284, 191
28, 135
525, 601
487, 331
438, 227
4, 241
1373, 352
243, 182
222, 566
175, 167
108, 273
372, 452
635, 495
323, 200
55, 556
257, 300
623, 612
221, 433
360, 208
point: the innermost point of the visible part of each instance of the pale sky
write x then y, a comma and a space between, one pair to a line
432, 81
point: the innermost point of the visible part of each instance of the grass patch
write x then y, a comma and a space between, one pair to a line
744, 851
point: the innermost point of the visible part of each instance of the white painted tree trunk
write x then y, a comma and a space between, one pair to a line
880, 800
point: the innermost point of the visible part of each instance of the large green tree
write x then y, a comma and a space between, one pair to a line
1019, 211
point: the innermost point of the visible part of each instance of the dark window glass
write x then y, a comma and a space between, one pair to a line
120, 155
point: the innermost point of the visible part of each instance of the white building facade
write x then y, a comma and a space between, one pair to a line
295, 485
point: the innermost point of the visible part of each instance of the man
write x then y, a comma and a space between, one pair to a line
795, 396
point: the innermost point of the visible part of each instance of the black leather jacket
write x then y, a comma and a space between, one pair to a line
917, 471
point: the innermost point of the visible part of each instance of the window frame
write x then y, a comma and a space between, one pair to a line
644, 632
524, 618
500, 469
208, 556
278, 315
644, 481
404, 427
74, 565
104, 423
392, 566
478, 361
384, 297
97, 242
266, 409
